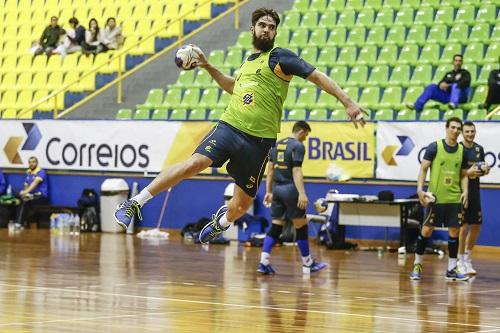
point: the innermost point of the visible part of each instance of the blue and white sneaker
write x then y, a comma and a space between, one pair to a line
456, 275
313, 267
213, 229
416, 274
126, 211
265, 269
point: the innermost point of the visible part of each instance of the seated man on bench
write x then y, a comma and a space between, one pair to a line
35, 192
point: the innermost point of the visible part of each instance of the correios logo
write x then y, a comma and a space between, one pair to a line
407, 146
11, 148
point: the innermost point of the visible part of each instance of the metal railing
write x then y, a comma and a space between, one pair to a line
119, 57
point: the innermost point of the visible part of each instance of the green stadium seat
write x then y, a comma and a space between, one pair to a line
366, 17
301, 6
429, 115
384, 115
320, 5
396, 35
337, 36
441, 70
411, 3
282, 38
328, 19
347, 18
198, 114
465, 14
416, 35
296, 114
327, 101
291, 97
472, 68
487, 13
444, 15
202, 79
400, 75
234, 56
476, 114
154, 99
190, 98
307, 98
215, 114
352, 92
172, 97
375, 4
367, 55
495, 34
338, 115
318, 37
392, 97
186, 78
141, 114
453, 113
376, 36
358, 75
347, 55
339, 74
209, 98
474, 51
404, 16
388, 54
357, 36
449, 51
244, 41
424, 15
309, 54
327, 56
160, 114
318, 115
406, 115
452, 3
431, 3
408, 54
437, 34
178, 114
357, 5
291, 20
480, 32
379, 76
479, 95
369, 97
124, 114
495, 117
299, 38
385, 17
458, 33
309, 20
422, 75
396, 4
485, 73
492, 53
429, 54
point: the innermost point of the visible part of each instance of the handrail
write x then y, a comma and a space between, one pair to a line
492, 113
118, 57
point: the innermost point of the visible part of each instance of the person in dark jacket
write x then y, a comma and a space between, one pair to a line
50, 37
75, 38
453, 89
493, 96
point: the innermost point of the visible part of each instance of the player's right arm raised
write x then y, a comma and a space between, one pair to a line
226, 82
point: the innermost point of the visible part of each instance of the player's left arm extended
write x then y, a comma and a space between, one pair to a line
464, 182
298, 180
325, 83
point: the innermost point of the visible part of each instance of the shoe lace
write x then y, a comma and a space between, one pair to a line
133, 209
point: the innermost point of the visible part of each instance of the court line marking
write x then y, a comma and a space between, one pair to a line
244, 306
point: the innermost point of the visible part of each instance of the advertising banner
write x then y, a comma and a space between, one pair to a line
401, 147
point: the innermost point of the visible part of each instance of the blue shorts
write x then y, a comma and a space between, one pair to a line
247, 154
284, 205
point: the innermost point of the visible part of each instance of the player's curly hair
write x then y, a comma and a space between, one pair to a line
260, 12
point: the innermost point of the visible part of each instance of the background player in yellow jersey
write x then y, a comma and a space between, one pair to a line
248, 128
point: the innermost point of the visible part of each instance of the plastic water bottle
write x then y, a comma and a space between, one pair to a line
52, 223
77, 225
62, 218
9, 190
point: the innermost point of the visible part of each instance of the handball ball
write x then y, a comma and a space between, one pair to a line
186, 57
320, 205
335, 173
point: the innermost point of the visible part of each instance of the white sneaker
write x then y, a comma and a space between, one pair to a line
468, 268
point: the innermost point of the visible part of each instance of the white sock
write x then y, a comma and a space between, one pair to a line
452, 263
467, 255
264, 258
224, 222
418, 259
461, 257
143, 197
307, 261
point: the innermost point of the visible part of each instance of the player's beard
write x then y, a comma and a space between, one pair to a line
262, 44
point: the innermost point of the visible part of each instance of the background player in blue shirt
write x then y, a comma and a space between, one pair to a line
286, 194
472, 219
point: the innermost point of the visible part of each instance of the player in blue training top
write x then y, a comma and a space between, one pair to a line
286, 194
473, 216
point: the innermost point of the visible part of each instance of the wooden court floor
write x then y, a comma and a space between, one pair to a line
118, 283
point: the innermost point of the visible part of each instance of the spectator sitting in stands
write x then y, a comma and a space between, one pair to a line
493, 96
50, 38
3, 183
112, 35
35, 192
453, 89
93, 38
73, 40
